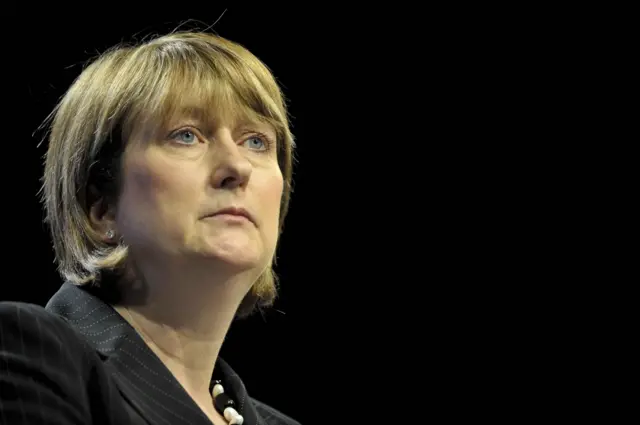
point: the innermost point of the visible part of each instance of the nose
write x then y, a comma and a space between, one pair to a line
231, 167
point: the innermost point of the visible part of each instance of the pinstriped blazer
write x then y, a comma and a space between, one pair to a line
76, 361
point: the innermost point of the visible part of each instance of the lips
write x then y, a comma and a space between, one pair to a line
239, 212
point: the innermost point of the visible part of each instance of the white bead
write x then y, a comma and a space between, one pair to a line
237, 420
217, 390
230, 413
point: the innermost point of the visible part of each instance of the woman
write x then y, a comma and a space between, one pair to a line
166, 184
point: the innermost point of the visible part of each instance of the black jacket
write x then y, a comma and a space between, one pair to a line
78, 362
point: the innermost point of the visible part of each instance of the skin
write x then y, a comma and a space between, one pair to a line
196, 269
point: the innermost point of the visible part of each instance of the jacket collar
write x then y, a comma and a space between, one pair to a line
141, 376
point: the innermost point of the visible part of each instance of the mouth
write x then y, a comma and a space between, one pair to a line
233, 213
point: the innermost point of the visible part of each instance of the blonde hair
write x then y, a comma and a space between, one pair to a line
121, 89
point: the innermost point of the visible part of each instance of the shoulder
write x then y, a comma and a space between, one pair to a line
15, 312
272, 416
34, 337
45, 366
28, 325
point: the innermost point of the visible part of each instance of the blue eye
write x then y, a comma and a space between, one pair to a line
186, 137
256, 143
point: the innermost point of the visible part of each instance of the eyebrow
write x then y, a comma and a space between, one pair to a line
202, 114
198, 112
189, 111
247, 123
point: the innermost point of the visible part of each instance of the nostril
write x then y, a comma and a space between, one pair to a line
228, 181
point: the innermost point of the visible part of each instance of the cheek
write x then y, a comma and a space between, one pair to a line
270, 197
143, 185
156, 191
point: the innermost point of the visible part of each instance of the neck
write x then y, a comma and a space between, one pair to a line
185, 320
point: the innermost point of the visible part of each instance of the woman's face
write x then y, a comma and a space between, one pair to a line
179, 177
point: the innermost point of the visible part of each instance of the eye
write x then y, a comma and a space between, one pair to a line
258, 143
185, 137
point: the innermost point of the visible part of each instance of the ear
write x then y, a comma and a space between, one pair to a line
102, 215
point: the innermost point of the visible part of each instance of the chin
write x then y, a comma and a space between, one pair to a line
241, 263
243, 257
